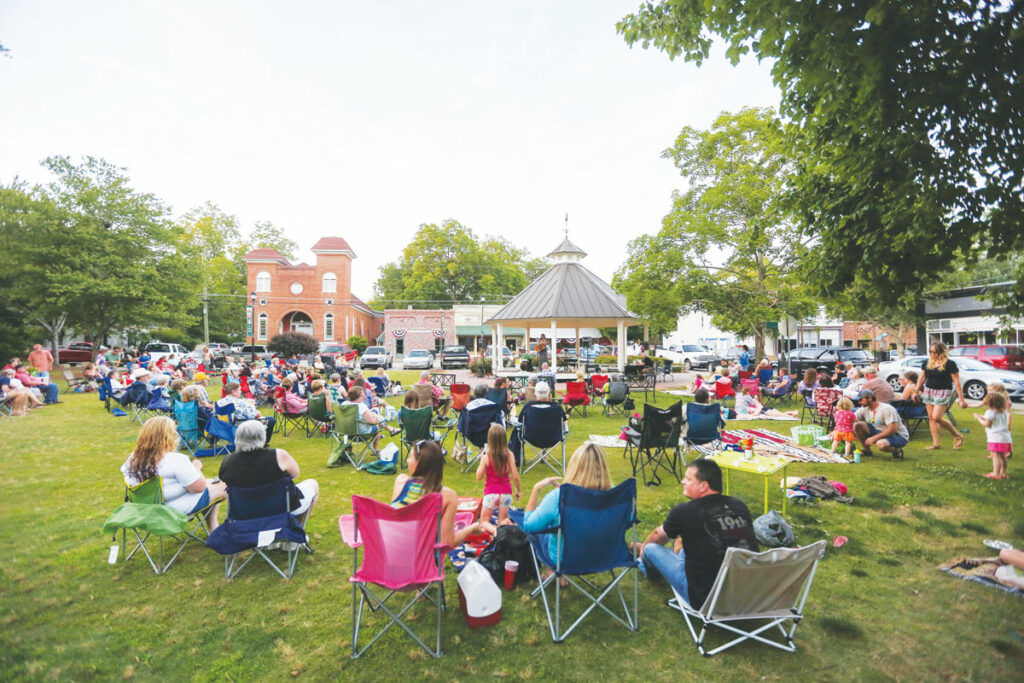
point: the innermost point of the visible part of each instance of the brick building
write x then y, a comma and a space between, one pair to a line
417, 329
874, 337
316, 299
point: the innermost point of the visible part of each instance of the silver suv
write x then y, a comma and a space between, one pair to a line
375, 357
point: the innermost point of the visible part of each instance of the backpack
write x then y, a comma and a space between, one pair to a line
510, 543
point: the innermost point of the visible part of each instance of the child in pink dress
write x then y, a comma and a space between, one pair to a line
498, 465
844, 417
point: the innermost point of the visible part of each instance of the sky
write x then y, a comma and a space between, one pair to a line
366, 120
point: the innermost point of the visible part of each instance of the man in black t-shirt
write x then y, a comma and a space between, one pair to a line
706, 526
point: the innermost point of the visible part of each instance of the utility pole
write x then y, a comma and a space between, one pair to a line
206, 316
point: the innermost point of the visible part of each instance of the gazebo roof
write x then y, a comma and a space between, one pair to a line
567, 293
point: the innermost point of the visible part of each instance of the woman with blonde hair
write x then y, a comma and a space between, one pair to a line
588, 469
940, 376
184, 486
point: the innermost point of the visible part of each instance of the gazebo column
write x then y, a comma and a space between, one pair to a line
499, 346
621, 345
554, 350
578, 349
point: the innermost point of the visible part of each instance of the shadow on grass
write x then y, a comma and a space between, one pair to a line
975, 527
876, 500
841, 627
933, 523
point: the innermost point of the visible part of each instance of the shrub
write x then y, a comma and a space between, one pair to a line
358, 343
481, 368
292, 344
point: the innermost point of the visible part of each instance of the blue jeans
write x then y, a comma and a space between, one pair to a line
671, 566
51, 392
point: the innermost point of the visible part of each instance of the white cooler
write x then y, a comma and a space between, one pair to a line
479, 596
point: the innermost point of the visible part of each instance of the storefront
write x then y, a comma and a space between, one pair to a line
963, 316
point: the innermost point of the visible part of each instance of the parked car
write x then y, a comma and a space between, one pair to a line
1001, 356
329, 353
158, 350
975, 376
375, 357
75, 352
247, 351
824, 358
454, 357
418, 360
236, 347
694, 356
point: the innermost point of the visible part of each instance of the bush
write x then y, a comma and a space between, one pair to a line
481, 368
293, 344
358, 343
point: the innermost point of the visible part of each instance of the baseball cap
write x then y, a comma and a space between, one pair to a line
866, 393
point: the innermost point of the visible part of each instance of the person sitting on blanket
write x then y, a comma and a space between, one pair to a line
749, 407
252, 465
426, 475
703, 529
779, 387
879, 424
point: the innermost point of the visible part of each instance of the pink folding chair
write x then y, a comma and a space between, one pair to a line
402, 551
750, 383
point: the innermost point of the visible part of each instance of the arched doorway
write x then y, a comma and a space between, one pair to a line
297, 321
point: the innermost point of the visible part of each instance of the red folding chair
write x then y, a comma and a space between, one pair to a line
402, 552
750, 383
460, 396
223, 384
576, 397
598, 384
243, 381
724, 391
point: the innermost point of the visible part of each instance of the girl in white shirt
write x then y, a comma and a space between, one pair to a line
997, 432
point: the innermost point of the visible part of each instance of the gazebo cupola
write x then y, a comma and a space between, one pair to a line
566, 252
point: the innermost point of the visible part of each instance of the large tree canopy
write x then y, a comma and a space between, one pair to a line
447, 264
909, 118
728, 247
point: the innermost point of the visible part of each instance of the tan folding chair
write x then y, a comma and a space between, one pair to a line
752, 588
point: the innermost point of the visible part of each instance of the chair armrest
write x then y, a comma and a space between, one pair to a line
347, 526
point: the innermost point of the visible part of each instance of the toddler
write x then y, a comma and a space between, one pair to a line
498, 464
997, 431
844, 417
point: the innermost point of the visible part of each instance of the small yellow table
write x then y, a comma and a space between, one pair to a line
756, 464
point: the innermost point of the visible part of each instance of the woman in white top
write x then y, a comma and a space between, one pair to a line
184, 486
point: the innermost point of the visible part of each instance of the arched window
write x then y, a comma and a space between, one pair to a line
263, 281
261, 328
330, 282
329, 326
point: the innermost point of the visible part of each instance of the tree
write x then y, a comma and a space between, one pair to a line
358, 343
728, 247
907, 119
266, 234
448, 263
126, 270
290, 344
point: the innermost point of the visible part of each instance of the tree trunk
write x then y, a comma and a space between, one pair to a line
759, 335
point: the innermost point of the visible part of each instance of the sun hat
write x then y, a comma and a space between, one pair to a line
199, 376
140, 372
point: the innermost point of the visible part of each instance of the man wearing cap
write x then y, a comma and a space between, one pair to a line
878, 386
878, 424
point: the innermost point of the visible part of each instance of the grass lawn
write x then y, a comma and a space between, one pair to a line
878, 610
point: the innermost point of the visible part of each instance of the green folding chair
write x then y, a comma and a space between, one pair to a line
318, 419
416, 426
354, 445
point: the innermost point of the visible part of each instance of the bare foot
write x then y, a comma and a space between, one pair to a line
933, 447
958, 441
990, 475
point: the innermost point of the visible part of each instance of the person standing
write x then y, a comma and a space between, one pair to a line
744, 359
42, 360
704, 529
940, 376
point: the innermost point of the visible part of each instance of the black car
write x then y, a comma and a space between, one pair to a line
824, 358
454, 357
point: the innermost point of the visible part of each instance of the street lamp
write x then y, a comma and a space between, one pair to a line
252, 328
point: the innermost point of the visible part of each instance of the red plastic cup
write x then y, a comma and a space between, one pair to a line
511, 567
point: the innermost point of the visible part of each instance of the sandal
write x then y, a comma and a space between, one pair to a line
991, 476
933, 447
958, 442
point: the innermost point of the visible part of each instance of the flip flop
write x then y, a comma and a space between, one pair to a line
991, 476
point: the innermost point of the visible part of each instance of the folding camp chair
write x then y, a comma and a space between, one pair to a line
355, 445
219, 428
473, 426
159, 403
657, 444
106, 392
764, 376
597, 385
318, 420
752, 589
402, 552
576, 397
424, 395
825, 399
615, 399
540, 428
243, 382
379, 384
665, 371
134, 401
70, 379
295, 421
258, 517
415, 427
5, 406
703, 421
592, 537
144, 510
186, 417
775, 397
500, 397
640, 378
724, 392
750, 383
460, 396
808, 407
912, 413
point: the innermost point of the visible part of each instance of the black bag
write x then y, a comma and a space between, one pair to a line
510, 543
629, 404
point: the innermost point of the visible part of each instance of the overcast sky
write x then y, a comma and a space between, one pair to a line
364, 120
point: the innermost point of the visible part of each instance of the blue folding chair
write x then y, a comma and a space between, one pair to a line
499, 396
703, 422
473, 427
135, 399
540, 428
379, 384
220, 428
592, 536
186, 417
106, 392
258, 517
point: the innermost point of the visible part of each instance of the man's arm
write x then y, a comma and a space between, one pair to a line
657, 536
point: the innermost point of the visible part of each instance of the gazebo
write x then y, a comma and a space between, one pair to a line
566, 297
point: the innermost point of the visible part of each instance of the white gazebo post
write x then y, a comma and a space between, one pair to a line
621, 341
554, 351
499, 346
578, 350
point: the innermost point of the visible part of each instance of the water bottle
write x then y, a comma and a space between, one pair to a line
856, 455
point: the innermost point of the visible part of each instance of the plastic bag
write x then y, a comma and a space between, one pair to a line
772, 531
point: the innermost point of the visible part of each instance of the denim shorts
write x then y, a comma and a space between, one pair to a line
895, 440
203, 501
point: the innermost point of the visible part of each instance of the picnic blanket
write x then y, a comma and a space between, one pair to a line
774, 444
605, 441
980, 570
745, 417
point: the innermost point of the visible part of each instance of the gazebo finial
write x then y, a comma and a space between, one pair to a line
567, 225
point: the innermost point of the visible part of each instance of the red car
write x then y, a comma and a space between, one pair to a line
75, 352
1003, 357
332, 351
